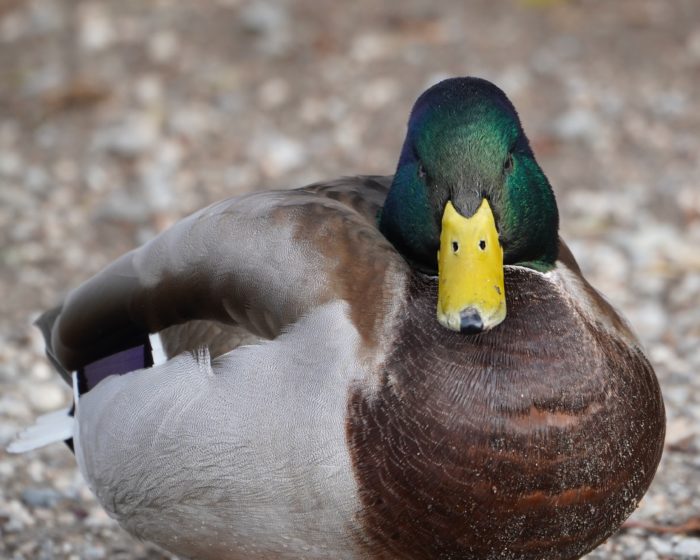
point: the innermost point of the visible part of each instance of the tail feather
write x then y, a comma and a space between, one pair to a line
60, 425
50, 428
55, 426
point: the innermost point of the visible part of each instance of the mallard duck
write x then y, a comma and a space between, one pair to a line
402, 367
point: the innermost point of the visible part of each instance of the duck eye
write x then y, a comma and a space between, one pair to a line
508, 164
421, 171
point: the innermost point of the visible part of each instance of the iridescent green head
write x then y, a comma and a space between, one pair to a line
464, 146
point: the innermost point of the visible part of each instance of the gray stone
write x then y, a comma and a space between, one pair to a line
687, 548
40, 497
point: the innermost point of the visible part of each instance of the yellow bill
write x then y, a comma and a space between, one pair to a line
471, 294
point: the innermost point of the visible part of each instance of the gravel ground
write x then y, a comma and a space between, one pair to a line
117, 118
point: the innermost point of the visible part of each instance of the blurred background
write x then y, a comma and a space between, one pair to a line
119, 117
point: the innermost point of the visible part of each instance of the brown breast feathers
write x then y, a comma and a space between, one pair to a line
534, 440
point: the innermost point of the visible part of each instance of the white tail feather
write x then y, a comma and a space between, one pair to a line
49, 428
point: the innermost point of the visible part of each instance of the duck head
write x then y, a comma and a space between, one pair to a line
468, 198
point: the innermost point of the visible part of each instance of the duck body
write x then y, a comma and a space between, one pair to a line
310, 405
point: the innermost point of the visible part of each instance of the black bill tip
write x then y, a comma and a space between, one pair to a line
470, 321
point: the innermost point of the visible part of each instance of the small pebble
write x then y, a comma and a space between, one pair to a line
132, 136
96, 29
577, 124
47, 396
40, 497
662, 546
688, 548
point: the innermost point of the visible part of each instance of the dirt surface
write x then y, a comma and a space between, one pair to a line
117, 118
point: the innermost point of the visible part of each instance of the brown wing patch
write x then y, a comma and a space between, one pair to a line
534, 440
363, 266
359, 265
